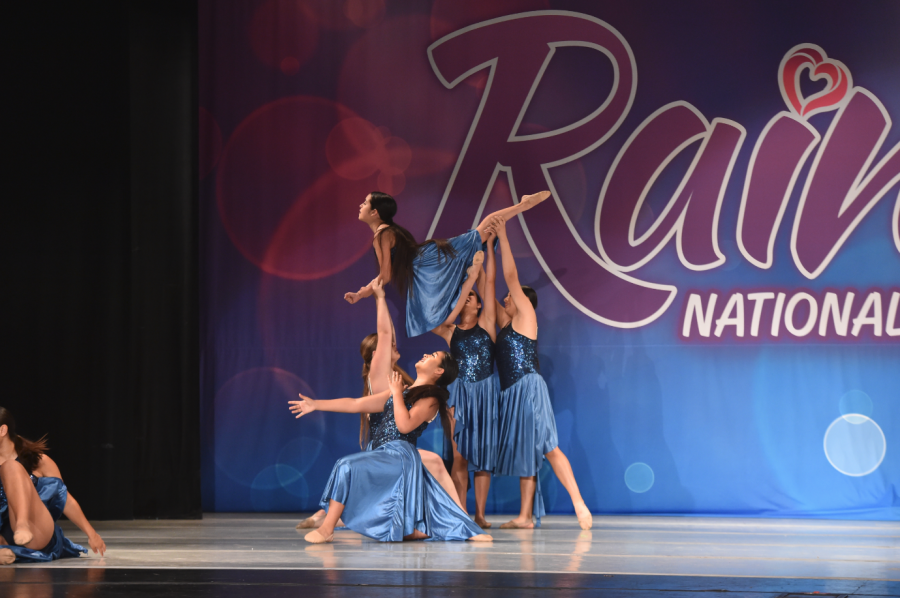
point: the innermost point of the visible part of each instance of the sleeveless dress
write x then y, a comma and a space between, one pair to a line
436, 283
474, 397
53, 494
387, 493
526, 423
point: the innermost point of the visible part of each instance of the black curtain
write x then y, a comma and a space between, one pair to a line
101, 237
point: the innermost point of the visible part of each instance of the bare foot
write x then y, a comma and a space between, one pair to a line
529, 201
23, 535
416, 535
481, 538
483, 523
314, 537
518, 523
584, 516
7, 556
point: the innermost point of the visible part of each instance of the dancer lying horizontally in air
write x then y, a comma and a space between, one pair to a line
526, 423
380, 355
475, 393
32, 498
430, 274
386, 493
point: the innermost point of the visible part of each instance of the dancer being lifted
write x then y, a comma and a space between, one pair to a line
474, 394
526, 423
386, 493
429, 274
380, 356
32, 498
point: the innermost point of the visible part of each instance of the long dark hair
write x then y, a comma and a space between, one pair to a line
366, 350
29, 452
405, 246
438, 390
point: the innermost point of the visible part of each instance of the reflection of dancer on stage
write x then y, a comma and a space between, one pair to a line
527, 425
32, 498
380, 356
429, 274
386, 493
474, 394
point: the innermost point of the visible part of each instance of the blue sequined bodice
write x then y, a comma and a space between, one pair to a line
516, 356
473, 349
387, 431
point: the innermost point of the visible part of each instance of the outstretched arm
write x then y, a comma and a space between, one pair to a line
368, 404
486, 284
525, 320
381, 364
382, 244
48, 468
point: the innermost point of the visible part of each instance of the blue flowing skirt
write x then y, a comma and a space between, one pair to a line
527, 431
437, 280
388, 494
53, 494
475, 411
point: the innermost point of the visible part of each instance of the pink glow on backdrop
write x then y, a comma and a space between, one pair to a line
284, 34
448, 16
277, 154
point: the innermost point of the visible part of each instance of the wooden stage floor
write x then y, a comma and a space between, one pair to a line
675, 556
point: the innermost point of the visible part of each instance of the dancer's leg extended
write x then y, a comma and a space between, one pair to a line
325, 533
435, 466
563, 470
527, 487
482, 485
30, 520
528, 202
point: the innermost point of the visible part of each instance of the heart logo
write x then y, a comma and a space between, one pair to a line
813, 58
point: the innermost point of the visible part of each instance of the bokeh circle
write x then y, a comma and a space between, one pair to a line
855, 445
856, 401
639, 477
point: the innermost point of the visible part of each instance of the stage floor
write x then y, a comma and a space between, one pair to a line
629, 554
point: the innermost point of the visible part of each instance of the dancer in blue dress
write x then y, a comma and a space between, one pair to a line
475, 393
386, 493
429, 274
526, 423
380, 355
32, 498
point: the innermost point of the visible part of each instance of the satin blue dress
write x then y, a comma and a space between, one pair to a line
474, 396
436, 284
53, 494
526, 423
388, 494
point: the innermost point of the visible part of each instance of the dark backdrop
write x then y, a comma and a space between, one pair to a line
101, 246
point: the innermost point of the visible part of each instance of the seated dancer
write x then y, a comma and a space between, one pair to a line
380, 356
526, 423
32, 498
386, 493
430, 274
474, 394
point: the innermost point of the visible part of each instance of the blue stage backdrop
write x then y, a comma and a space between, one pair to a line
718, 267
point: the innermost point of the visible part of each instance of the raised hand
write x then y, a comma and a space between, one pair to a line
395, 382
302, 407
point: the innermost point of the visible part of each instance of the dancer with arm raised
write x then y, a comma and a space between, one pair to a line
386, 493
475, 393
380, 356
429, 274
526, 423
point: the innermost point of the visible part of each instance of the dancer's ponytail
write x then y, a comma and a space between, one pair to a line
405, 247
29, 452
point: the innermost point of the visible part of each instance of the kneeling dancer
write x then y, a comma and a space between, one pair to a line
385, 493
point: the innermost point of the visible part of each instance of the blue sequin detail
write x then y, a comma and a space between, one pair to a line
386, 431
473, 350
516, 356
